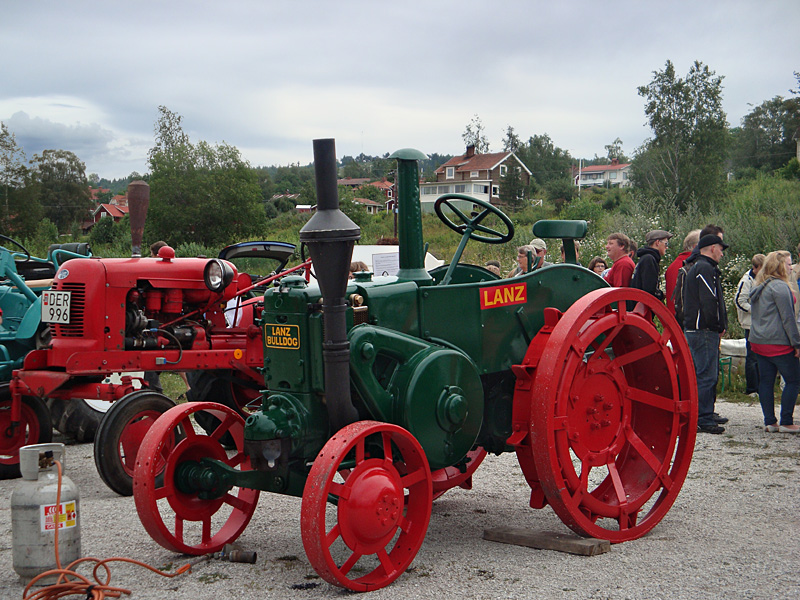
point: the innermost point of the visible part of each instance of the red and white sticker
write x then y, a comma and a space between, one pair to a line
503, 295
66, 516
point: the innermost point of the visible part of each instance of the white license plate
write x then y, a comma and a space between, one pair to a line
55, 307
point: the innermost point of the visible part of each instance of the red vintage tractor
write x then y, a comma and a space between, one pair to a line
124, 315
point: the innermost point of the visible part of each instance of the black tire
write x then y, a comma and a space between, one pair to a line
33, 408
75, 418
108, 459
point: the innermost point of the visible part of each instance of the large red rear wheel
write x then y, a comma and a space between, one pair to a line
185, 521
613, 405
378, 477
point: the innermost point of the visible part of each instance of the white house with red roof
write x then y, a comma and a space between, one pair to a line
371, 206
477, 175
614, 175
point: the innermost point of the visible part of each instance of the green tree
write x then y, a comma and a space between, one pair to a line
764, 141
63, 188
546, 161
371, 193
200, 193
474, 135
511, 141
684, 161
20, 209
512, 189
614, 151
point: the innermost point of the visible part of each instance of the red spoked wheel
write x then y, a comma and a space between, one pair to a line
450, 477
613, 413
184, 521
378, 478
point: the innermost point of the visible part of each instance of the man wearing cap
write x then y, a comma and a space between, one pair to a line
705, 321
540, 246
645, 277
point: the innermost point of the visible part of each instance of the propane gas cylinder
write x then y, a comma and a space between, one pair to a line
35, 515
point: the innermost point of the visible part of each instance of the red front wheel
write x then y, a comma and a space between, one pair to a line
189, 521
378, 483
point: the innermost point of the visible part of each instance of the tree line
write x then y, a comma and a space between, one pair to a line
208, 193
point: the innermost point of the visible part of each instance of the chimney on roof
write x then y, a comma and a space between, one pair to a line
614, 161
470, 150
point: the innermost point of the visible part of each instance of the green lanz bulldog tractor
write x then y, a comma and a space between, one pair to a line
384, 392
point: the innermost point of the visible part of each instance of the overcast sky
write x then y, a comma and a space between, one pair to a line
269, 76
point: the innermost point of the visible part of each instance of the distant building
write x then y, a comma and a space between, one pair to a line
614, 175
371, 206
477, 175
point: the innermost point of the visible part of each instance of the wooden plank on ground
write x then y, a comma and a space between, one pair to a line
547, 540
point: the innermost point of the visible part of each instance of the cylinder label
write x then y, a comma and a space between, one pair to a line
66, 516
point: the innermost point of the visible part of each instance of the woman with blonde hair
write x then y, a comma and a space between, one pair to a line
775, 340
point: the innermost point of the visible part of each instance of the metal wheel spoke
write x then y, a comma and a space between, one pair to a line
235, 460
223, 427
413, 478
619, 488
178, 533
340, 490
350, 562
161, 492
609, 337
386, 562
206, 536
360, 451
188, 428
235, 502
387, 447
663, 402
332, 535
633, 356
650, 458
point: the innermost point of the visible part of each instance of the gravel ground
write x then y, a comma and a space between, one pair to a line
734, 532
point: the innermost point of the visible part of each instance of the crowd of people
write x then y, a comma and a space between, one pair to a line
767, 302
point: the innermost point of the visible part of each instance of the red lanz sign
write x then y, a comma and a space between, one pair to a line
504, 295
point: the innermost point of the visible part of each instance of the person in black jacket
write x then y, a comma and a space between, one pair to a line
645, 277
705, 321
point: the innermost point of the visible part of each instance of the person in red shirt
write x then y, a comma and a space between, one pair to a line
671, 276
621, 271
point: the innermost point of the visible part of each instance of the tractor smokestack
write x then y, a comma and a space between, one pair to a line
330, 236
138, 201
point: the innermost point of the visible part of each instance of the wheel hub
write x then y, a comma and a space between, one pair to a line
373, 508
595, 420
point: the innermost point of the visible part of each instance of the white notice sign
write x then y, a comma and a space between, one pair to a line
386, 264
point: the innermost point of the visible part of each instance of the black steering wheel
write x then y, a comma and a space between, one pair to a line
468, 226
18, 245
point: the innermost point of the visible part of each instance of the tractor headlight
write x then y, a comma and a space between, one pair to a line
217, 275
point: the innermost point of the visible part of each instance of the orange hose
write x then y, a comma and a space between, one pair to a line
70, 583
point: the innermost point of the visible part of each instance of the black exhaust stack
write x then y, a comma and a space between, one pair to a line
330, 236
138, 201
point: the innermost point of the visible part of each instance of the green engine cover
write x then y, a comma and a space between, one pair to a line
432, 391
